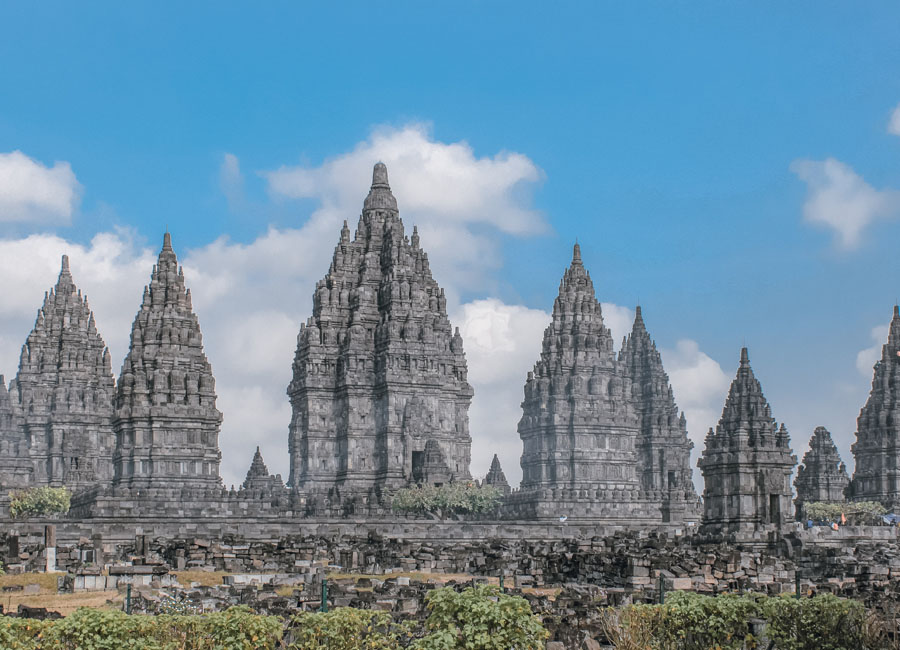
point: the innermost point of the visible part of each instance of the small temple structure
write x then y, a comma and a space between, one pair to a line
822, 476
747, 461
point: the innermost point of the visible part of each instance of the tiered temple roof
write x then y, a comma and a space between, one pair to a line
64, 390
166, 421
495, 476
876, 476
663, 448
258, 477
379, 390
747, 461
822, 476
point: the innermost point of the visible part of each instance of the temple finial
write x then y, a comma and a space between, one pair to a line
576, 254
65, 264
167, 241
896, 311
380, 176
745, 358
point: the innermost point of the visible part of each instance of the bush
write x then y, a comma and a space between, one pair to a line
39, 501
346, 628
689, 621
454, 498
480, 618
858, 512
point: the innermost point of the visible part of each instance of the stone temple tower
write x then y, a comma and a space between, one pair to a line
877, 447
579, 425
64, 390
16, 470
166, 421
663, 448
822, 476
379, 393
747, 462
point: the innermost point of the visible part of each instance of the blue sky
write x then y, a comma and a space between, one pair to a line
664, 137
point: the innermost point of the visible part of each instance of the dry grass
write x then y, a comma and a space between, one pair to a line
46, 581
418, 576
204, 578
63, 603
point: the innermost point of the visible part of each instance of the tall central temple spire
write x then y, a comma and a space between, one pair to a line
166, 421
379, 374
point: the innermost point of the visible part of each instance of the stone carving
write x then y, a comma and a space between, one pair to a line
496, 477
258, 477
166, 421
379, 393
747, 461
663, 448
63, 391
822, 476
876, 476
16, 469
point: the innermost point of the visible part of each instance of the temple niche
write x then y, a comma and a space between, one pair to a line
747, 462
876, 476
166, 420
822, 476
379, 393
63, 391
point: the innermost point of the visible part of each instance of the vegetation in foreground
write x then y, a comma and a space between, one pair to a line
39, 502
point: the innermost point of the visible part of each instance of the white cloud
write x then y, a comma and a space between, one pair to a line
618, 319
502, 342
700, 386
865, 359
459, 201
894, 122
840, 199
231, 180
31, 192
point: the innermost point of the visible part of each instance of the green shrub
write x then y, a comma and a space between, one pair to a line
823, 622
480, 618
856, 512
453, 498
346, 628
39, 501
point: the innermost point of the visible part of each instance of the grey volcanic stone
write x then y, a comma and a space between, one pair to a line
663, 448
166, 421
64, 390
379, 393
16, 469
496, 477
822, 476
258, 477
602, 437
747, 462
876, 476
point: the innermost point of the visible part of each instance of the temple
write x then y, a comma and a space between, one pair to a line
602, 437
16, 467
63, 391
495, 476
379, 393
747, 461
822, 476
166, 421
877, 448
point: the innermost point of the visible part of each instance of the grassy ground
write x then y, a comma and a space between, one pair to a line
48, 597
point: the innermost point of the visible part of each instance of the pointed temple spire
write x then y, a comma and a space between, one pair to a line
495, 476
64, 390
166, 387
576, 255
822, 476
16, 469
258, 477
876, 476
379, 325
663, 447
747, 462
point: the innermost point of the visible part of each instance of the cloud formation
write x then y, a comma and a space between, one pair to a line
838, 198
865, 359
459, 201
894, 122
33, 193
